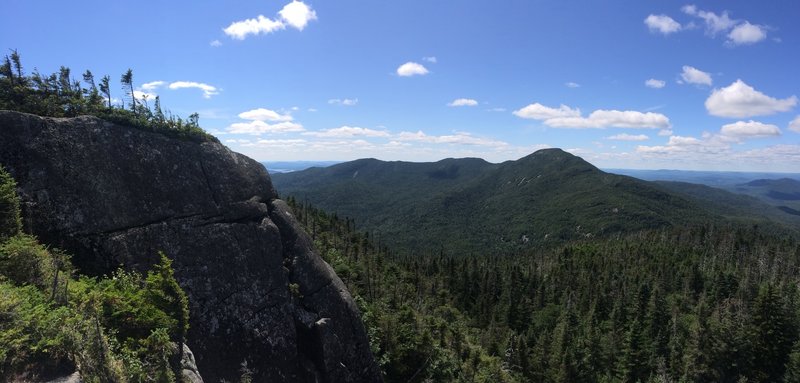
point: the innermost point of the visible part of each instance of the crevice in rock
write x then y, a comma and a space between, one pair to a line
208, 183
310, 347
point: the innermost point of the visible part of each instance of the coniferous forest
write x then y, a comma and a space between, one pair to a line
698, 304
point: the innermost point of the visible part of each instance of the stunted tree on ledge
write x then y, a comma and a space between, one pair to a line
58, 95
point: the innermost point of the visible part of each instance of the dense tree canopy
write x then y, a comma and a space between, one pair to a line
705, 303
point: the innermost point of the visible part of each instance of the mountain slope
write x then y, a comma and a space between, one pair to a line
469, 205
732, 205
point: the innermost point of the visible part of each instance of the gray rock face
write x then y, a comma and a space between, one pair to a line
113, 196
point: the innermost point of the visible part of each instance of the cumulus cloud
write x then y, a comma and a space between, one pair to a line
259, 127
149, 86
460, 138
715, 145
343, 101
295, 14
628, 137
258, 26
749, 129
463, 102
662, 24
746, 33
262, 114
794, 125
714, 23
277, 143
655, 84
740, 100
612, 118
566, 117
208, 90
349, 131
693, 75
411, 69
685, 145
572, 85
144, 95
538, 111
738, 32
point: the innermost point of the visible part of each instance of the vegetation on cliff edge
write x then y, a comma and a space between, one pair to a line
123, 328
60, 95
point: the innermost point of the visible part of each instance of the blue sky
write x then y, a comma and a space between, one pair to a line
625, 84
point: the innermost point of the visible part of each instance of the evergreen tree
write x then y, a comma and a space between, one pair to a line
10, 221
105, 89
127, 86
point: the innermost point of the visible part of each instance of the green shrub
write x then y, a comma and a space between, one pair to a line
10, 222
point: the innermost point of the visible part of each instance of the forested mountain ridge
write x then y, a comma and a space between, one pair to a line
470, 206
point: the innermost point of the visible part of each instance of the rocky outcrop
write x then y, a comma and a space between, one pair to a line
115, 196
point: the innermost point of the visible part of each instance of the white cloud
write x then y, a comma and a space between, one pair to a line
738, 32
259, 127
662, 24
262, 114
693, 75
628, 137
411, 69
260, 25
538, 111
279, 144
349, 131
144, 95
655, 84
149, 86
297, 14
566, 117
612, 118
343, 101
208, 90
714, 23
430, 59
740, 100
215, 43
463, 102
794, 125
665, 132
572, 85
749, 129
683, 141
460, 138
746, 33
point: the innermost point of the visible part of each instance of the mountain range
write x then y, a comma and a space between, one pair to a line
469, 205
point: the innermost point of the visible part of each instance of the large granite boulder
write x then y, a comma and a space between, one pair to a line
115, 196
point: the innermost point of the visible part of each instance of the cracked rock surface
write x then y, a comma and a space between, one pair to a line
115, 196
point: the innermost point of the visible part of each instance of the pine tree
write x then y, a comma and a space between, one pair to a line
105, 89
127, 85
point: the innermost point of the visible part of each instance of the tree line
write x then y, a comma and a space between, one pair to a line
60, 95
